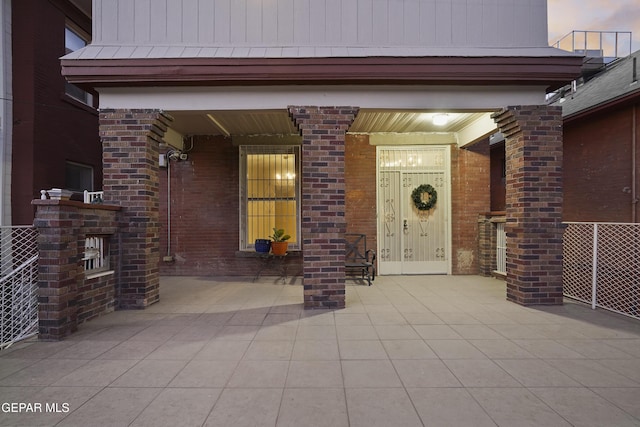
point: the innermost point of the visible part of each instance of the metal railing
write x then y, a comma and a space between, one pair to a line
601, 44
601, 265
18, 284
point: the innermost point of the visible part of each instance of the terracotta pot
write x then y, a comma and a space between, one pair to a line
279, 248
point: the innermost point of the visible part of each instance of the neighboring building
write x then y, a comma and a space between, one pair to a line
49, 127
600, 113
5, 112
602, 144
221, 119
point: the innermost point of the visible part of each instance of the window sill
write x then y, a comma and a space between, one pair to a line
253, 254
77, 103
89, 276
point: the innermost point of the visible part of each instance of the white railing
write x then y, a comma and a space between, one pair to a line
96, 254
601, 265
501, 248
606, 44
18, 284
93, 197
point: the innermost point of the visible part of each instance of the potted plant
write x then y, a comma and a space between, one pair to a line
279, 241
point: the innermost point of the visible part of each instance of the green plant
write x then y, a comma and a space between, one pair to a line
279, 236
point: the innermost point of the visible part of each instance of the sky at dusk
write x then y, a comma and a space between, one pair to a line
595, 15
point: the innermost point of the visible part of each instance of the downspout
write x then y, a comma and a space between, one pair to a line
168, 256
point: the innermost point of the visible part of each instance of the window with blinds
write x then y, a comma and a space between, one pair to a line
270, 193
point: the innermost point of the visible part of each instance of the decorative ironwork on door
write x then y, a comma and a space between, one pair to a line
412, 241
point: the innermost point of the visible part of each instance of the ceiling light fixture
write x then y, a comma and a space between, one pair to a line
440, 119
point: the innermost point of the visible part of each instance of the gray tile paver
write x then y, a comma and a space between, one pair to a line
446, 407
184, 407
583, 407
313, 407
410, 350
366, 408
246, 407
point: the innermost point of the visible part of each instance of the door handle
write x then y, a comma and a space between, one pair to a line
405, 225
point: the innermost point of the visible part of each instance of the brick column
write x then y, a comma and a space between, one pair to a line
59, 264
323, 132
130, 140
534, 203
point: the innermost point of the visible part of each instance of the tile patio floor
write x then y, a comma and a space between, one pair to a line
407, 351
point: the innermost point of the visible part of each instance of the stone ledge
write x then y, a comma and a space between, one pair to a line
74, 203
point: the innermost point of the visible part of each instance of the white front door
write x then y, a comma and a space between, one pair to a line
411, 240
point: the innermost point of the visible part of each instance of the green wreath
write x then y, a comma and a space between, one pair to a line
416, 195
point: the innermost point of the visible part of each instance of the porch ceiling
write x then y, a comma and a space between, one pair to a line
277, 122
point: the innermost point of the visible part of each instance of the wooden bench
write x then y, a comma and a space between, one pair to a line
358, 258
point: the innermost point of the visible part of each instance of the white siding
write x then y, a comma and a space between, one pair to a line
313, 23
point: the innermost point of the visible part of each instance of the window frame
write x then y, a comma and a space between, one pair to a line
89, 169
244, 151
97, 255
70, 90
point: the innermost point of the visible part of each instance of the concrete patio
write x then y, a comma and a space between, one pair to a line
407, 351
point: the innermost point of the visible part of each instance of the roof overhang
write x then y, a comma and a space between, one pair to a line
552, 71
622, 101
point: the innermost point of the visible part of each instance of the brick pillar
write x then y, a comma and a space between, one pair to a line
130, 140
534, 203
59, 264
323, 132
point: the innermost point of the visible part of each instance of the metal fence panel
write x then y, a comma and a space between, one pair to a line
602, 265
18, 284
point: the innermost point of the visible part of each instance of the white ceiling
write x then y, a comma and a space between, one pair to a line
278, 122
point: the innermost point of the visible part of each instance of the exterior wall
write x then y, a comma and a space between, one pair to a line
49, 127
204, 215
66, 297
360, 186
599, 166
205, 206
469, 197
373, 23
6, 115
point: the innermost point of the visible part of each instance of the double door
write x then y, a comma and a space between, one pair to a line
413, 240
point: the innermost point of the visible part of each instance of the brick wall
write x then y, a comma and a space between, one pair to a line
66, 297
49, 128
204, 215
534, 203
598, 170
323, 202
205, 206
360, 187
469, 196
